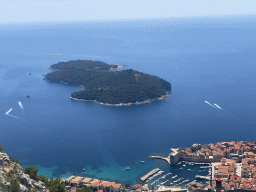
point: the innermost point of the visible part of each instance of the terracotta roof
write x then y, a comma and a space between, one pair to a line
223, 170
106, 184
77, 182
136, 186
86, 180
96, 184
78, 179
70, 178
94, 181
117, 185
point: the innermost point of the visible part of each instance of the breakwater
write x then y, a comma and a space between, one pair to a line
172, 159
152, 172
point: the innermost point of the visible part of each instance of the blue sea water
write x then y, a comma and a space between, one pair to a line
205, 59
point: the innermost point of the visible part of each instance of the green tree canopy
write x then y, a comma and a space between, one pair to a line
84, 189
31, 171
15, 187
55, 185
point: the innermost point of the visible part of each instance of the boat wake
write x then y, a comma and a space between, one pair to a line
8, 113
217, 106
214, 105
21, 106
209, 104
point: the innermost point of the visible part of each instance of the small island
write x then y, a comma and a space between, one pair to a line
104, 84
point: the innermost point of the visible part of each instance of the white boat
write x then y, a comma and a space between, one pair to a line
127, 168
84, 169
143, 162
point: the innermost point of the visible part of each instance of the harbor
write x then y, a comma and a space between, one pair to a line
143, 178
179, 175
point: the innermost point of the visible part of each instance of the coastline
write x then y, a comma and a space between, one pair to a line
161, 98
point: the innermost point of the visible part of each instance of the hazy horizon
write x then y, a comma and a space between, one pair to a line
39, 11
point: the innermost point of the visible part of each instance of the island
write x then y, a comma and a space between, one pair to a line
108, 85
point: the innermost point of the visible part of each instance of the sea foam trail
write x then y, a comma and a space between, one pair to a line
209, 104
8, 111
21, 106
217, 106
13, 116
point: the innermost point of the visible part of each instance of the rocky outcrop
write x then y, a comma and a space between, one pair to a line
23, 188
26, 180
23, 179
5, 157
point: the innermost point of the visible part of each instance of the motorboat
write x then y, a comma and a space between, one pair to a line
127, 168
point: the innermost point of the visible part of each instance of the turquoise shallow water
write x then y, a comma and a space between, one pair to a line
209, 59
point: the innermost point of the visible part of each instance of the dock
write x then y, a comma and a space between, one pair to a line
152, 172
204, 167
202, 177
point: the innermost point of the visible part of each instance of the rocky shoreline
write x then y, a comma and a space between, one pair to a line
162, 98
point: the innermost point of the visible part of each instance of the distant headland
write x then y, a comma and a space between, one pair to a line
104, 84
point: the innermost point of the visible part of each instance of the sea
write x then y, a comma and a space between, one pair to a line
209, 59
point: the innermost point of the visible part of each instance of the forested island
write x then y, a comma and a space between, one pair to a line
104, 84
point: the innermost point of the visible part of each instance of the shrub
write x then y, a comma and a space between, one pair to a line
15, 187
31, 171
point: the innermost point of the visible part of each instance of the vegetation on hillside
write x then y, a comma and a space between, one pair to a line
108, 86
54, 185
12, 176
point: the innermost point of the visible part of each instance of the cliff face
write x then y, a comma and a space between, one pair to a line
12, 177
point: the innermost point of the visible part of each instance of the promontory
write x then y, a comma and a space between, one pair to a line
107, 84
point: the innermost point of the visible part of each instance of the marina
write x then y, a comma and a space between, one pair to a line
152, 172
155, 175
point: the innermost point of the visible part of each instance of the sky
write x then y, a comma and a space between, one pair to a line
24, 11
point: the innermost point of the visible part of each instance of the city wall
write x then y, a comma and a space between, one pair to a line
199, 160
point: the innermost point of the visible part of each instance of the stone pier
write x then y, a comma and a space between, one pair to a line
172, 159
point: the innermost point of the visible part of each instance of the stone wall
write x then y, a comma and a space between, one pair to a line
200, 160
175, 156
